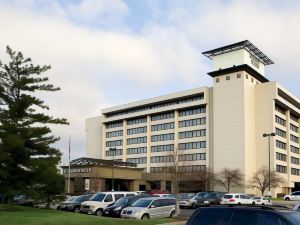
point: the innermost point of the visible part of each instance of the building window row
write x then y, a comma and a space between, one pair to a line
117, 133
281, 157
192, 157
142, 160
280, 133
280, 121
160, 169
139, 150
163, 116
294, 118
155, 106
189, 112
294, 128
295, 171
280, 109
294, 149
132, 141
160, 159
165, 126
294, 138
192, 134
294, 160
114, 143
191, 169
192, 145
138, 130
114, 125
280, 144
162, 148
193, 122
281, 169
137, 121
114, 152
162, 137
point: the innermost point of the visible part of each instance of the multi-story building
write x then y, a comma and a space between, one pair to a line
208, 127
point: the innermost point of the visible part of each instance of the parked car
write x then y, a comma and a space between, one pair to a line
115, 209
99, 201
262, 200
263, 215
148, 208
295, 196
74, 204
189, 201
62, 205
236, 199
211, 198
24, 200
201, 194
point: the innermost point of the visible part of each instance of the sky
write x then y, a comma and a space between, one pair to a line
109, 52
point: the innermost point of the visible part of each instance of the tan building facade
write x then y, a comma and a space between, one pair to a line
208, 127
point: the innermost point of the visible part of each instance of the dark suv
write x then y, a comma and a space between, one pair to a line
241, 215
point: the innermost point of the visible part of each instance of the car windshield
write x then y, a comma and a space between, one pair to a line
121, 201
142, 203
201, 194
132, 200
294, 217
98, 197
210, 195
256, 198
228, 196
71, 198
186, 196
81, 198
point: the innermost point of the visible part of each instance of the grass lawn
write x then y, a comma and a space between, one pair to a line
32, 216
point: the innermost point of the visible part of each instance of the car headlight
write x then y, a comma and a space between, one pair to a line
118, 208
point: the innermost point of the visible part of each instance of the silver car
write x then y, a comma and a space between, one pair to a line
152, 207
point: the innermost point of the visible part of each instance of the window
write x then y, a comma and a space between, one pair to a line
142, 160
294, 128
192, 145
238, 75
162, 116
246, 76
227, 77
252, 79
294, 118
118, 196
280, 121
137, 121
295, 160
189, 112
193, 122
162, 137
192, 157
114, 125
294, 149
280, 144
280, 169
162, 148
138, 130
190, 169
160, 169
165, 126
294, 138
114, 143
217, 80
138, 140
281, 157
191, 134
140, 150
114, 152
114, 134
280, 109
160, 159
108, 198
280, 133
295, 171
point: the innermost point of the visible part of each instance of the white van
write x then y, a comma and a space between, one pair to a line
99, 201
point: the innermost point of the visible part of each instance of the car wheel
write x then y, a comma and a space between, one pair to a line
193, 206
58, 208
253, 203
263, 203
172, 214
239, 203
145, 217
99, 212
77, 209
287, 199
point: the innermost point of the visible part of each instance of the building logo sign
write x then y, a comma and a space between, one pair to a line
78, 170
254, 61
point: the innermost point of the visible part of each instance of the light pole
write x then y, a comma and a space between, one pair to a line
113, 150
269, 146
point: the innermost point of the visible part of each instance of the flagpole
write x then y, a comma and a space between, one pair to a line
69, 175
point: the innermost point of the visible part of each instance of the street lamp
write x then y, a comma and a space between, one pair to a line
269, 146
113, 150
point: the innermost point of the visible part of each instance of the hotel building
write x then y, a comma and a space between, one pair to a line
207, 127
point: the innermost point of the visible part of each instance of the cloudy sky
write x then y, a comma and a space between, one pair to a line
109, 52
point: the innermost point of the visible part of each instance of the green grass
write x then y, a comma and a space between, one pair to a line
31, 216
